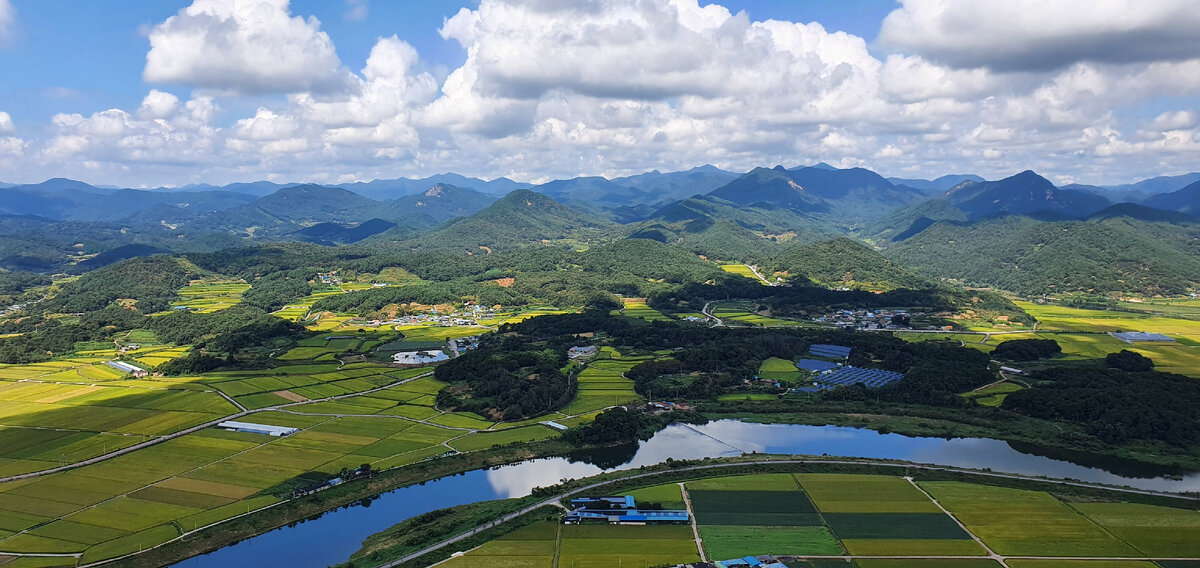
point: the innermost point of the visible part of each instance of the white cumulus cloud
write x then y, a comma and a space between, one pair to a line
1044, 35
249, 46
6, 123
8, 18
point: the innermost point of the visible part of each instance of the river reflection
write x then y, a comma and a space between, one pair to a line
333, 537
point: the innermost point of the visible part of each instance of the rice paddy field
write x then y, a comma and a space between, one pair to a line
993, 395
206, 297
742, 313
637, 308
298, 309
1084, 334
859, 520
742, 270
603, 384
779, 370
153, 495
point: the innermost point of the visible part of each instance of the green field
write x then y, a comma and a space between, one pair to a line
779, 370
743, 314
637, 308
1026, 523
1062, 318
603, 384
205, 297
741, 270
992, 395
144, 498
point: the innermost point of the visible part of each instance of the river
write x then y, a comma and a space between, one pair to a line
334, 536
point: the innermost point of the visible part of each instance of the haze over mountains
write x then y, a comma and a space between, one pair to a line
1020, 233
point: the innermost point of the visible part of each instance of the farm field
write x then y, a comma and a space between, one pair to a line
1062, 318
971, 340
296, 310
742, 313
992, 395
603, 384
637, 308
147, 497
1026, 523
205, 297
886, 516
779, 370
742, 270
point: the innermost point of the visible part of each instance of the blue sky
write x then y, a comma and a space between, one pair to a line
913, 88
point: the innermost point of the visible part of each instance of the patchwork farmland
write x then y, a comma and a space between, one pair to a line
821, 520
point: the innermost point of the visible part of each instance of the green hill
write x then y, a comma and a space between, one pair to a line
844, 262
1022, 254
521, 218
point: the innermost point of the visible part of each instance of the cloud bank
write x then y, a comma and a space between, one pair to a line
557, 89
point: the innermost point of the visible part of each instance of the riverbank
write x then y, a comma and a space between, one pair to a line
1056, 440
727, 440
313, 506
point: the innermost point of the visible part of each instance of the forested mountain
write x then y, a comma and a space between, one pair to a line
1185, 200
1160, 184
331, 234
1023, 193
521, 218
1032, 256
837, 197
934, 186
670, 186
908, 221
388, 189
844, 262
434, 206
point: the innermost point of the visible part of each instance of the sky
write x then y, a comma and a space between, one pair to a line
147, 93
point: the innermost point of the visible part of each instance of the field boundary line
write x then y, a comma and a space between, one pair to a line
194, 429
990, 553
687, 502
925, 467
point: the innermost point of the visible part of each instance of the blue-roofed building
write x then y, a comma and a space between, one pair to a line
815, 365
1142, 336
620, 510
830, 351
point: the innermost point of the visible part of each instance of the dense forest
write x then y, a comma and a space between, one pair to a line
1115, 405
507, 379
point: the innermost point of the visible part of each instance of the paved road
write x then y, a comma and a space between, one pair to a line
708, 314
754, 269
554, 501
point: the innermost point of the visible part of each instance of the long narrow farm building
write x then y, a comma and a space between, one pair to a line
252, 428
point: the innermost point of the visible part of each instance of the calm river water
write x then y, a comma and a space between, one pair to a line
334, 536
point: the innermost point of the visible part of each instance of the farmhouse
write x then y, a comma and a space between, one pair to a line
127, 368
764, 561
269, 430
619, 511
585, 351
419, 357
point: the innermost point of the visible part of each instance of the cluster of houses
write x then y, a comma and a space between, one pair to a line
867, 319
11, 309
330, 278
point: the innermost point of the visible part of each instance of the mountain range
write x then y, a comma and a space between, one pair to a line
1020, 233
